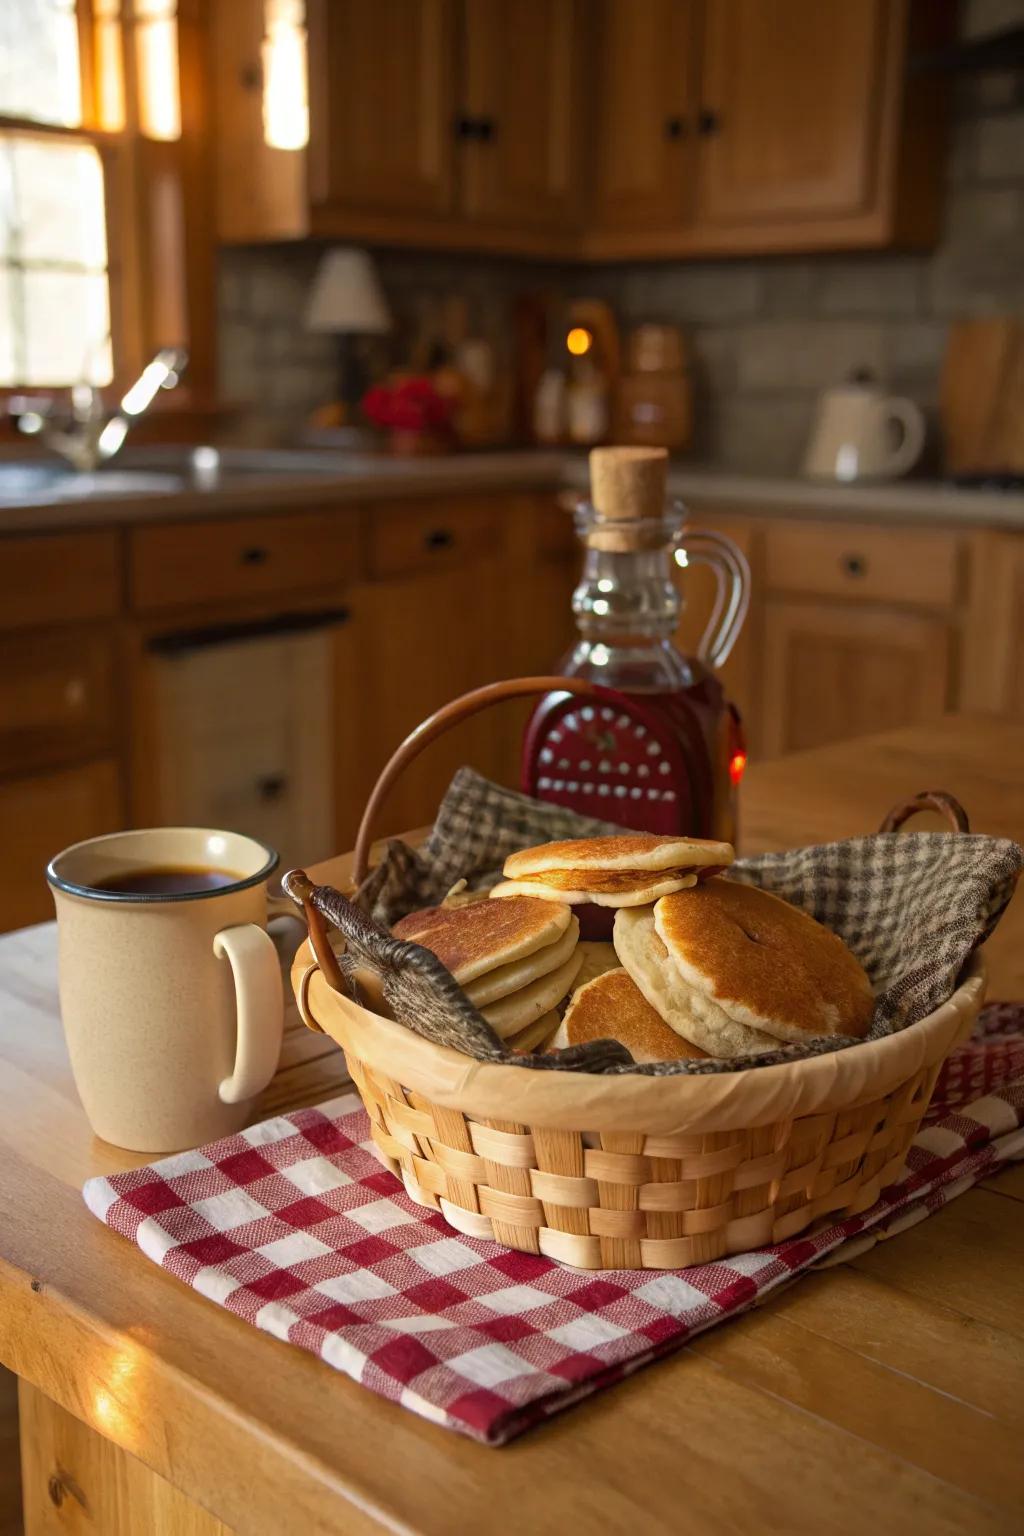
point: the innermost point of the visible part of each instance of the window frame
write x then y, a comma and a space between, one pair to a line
143, 269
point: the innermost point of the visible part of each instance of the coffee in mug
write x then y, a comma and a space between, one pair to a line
170, 986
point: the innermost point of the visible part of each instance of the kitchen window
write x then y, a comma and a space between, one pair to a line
91, 262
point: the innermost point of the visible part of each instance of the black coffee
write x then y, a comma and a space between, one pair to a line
169, 880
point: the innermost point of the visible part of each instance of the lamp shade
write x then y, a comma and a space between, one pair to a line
346, 295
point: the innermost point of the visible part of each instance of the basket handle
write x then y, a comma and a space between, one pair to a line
937, 800
436, 725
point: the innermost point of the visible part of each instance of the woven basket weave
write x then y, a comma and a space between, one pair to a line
644, 1172
629, 1172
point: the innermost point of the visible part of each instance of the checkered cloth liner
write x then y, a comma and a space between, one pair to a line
911, 906
294, 1226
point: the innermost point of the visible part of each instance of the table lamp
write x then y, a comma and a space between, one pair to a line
347, 300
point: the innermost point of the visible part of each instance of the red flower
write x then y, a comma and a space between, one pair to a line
411, 405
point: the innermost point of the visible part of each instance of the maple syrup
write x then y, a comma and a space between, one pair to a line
662, 750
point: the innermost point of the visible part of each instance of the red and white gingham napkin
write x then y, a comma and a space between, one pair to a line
295, 1226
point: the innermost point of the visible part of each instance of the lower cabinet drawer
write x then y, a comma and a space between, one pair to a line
916, 566
176, 565
428, 535
38, 817
56, 697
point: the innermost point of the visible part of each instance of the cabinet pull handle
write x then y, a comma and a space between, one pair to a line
465, 126
675, 128
272, 786
439, 538
486, 130
854, 565
255, 554
708, 122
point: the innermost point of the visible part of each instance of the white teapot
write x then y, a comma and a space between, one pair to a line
861, 433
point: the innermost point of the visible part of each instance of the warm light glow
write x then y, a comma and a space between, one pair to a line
109, 65
579, 341
285, 96
737, 764
115, 1404
156, 63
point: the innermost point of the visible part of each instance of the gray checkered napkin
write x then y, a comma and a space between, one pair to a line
911, 906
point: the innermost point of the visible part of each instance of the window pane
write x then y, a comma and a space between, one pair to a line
67, 328
8, 366
58, 189
39, 67
156, 64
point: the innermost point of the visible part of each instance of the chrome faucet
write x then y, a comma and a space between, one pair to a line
90, 434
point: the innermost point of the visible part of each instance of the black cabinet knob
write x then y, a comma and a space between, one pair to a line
271, 787
854, 565
255, 554
708, 122
475, 130
675, 127
439, 538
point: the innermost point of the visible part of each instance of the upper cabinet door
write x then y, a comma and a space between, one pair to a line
790, 108
382, 105
645, 112
518, 113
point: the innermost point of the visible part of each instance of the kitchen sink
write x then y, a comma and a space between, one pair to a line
162, 472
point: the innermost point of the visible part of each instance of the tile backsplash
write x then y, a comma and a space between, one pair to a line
766, 334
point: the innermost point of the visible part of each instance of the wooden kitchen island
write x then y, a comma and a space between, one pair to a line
882, 1393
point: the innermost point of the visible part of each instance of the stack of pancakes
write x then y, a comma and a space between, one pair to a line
516, 960
698, 966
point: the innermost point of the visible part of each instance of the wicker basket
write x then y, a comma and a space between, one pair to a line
633, 1172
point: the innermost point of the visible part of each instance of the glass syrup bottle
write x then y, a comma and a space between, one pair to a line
662, 750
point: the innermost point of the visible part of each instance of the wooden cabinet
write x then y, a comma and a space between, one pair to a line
522, 77
790, 108
645, 112
422, 640
38, 817
382, 105
833, 673
596, 129
260, 188
174, 565
992, 653
59, 578
57, 697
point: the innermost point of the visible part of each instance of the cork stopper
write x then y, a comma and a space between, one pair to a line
627, 485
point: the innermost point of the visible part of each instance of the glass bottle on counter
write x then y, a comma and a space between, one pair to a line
663, 751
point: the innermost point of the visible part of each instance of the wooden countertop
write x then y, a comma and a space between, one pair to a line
367, 478
882, 1393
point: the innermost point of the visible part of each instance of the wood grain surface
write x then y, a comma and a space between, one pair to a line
882, 1392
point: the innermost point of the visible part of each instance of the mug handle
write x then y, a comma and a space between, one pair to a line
260, 998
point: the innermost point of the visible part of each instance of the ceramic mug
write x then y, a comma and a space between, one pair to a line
172, 1002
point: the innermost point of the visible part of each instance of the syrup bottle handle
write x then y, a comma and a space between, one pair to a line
732, 598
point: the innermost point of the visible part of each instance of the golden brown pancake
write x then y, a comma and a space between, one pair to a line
535, 1035
612, 1007
506, 979
473, 939
629, 851
765, 964
628, 870
511, 1014
602, 888
596, 959
695, 1017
